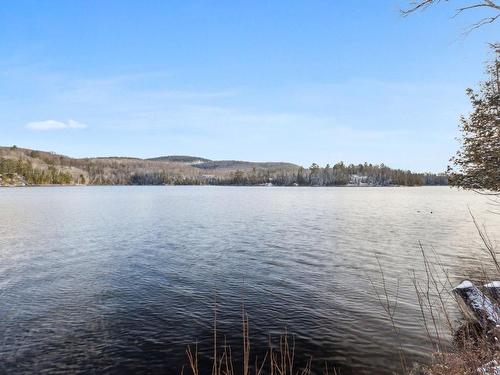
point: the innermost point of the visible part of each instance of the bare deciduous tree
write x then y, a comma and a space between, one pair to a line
490, 5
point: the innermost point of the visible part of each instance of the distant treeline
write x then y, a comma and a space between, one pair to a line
10, 169
336, 175
339, 174
36, 168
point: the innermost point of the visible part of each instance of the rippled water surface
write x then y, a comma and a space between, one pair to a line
120, 279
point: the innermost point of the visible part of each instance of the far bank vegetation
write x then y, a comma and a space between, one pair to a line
30, 167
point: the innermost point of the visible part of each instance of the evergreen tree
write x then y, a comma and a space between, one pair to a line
477, 163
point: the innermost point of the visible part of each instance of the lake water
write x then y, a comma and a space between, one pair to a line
121, 279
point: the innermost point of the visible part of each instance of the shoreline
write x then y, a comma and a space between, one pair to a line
227, 185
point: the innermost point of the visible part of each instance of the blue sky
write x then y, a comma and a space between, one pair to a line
300, 81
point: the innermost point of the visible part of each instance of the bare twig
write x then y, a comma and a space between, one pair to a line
481, 230
418, 5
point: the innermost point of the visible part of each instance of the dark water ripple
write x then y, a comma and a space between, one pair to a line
114, 280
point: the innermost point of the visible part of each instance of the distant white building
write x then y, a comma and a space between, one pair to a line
357, 180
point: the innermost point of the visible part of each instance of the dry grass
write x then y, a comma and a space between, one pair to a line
472, 346
469, 353
279, 360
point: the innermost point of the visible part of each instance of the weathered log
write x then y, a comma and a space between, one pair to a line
477, 306
493, 289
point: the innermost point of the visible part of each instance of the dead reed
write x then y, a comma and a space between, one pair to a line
279, 360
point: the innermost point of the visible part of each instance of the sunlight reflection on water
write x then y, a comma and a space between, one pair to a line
121, 279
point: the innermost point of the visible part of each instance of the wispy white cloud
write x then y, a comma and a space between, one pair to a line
54, 125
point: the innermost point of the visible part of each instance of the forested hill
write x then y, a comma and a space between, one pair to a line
19, 166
